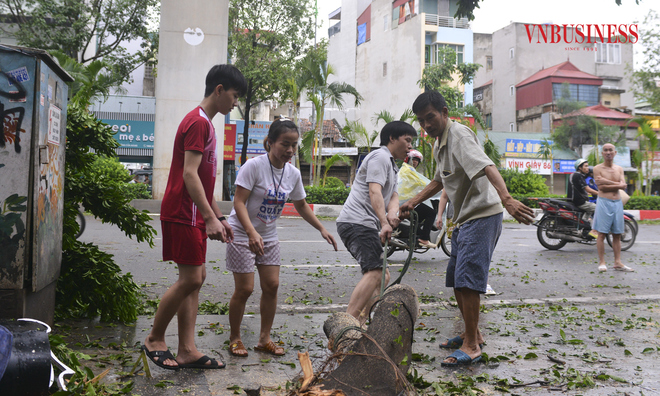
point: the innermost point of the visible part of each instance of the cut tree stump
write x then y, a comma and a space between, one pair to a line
374, 362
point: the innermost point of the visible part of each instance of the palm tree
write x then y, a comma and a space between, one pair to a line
89, 80
386, 116
331, 161
323, 93
648, 141
296, 85
545, 152
357, 135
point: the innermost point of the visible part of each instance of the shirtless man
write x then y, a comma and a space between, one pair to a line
609, 208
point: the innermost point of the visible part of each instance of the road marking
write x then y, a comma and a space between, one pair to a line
322, 240
330, 265
647, 242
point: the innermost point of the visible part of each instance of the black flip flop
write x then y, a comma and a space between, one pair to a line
162, 356
201, 364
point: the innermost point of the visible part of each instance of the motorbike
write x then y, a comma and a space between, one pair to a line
562, 222
400, 240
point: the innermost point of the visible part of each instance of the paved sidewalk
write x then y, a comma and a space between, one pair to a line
613, 340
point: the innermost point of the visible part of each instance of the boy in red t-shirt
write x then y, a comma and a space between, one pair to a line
189, 215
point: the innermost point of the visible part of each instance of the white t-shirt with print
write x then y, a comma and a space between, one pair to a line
263, 207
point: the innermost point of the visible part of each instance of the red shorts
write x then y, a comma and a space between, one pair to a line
183, 244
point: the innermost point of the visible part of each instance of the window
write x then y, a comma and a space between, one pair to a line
579, 92
385, 23
384, 69
608, 53
511, 53
489, 121
607, 103
512, 90
435, 53
511, 127
489, 63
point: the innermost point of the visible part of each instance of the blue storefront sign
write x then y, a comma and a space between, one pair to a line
523, 147
133, 134
257, 132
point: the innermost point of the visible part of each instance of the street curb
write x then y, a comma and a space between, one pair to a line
153, 206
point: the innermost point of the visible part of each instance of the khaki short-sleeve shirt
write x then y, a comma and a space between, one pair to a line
460, 168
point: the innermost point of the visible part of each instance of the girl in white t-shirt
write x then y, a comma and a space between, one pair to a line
263, 186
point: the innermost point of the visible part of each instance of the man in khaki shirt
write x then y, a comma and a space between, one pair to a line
608, 218
477, 191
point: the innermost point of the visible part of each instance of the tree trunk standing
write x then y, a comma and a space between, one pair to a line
552, 174
296, 156
319, 134
375, 362
246, 126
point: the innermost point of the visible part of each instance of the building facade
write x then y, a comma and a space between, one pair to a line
381, 48
518, 51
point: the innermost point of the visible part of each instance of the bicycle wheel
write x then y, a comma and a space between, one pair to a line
80, 219
445, 244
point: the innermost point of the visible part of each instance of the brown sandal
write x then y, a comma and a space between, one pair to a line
270, 348
238, 349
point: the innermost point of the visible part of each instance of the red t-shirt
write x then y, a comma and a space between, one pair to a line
195, 133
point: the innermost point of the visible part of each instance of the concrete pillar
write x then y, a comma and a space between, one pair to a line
193, 38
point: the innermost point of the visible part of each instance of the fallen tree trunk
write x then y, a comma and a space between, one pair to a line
374, 362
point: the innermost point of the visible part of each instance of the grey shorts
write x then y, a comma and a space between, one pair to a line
472, 246
364, 245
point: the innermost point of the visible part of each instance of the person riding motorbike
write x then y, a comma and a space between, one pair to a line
592, 184
426, 214
579, 189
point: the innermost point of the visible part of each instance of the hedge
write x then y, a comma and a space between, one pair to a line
635, 203
325, 195
643, 203
533, 203
337, 196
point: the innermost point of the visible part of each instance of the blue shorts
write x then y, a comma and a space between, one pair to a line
608, 218
472, 246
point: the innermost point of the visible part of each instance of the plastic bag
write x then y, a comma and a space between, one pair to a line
410, 183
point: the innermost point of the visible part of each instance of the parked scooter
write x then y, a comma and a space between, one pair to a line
563, 222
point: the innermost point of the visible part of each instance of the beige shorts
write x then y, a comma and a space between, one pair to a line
241, 260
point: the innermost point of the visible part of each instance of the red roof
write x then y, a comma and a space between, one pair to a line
330, 128
562, 70
486, 83
604, 114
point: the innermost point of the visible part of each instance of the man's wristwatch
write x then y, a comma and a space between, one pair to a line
221, 218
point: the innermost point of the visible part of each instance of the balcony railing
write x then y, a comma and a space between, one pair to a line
445, 21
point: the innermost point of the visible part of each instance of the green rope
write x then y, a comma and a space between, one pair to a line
412, 240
